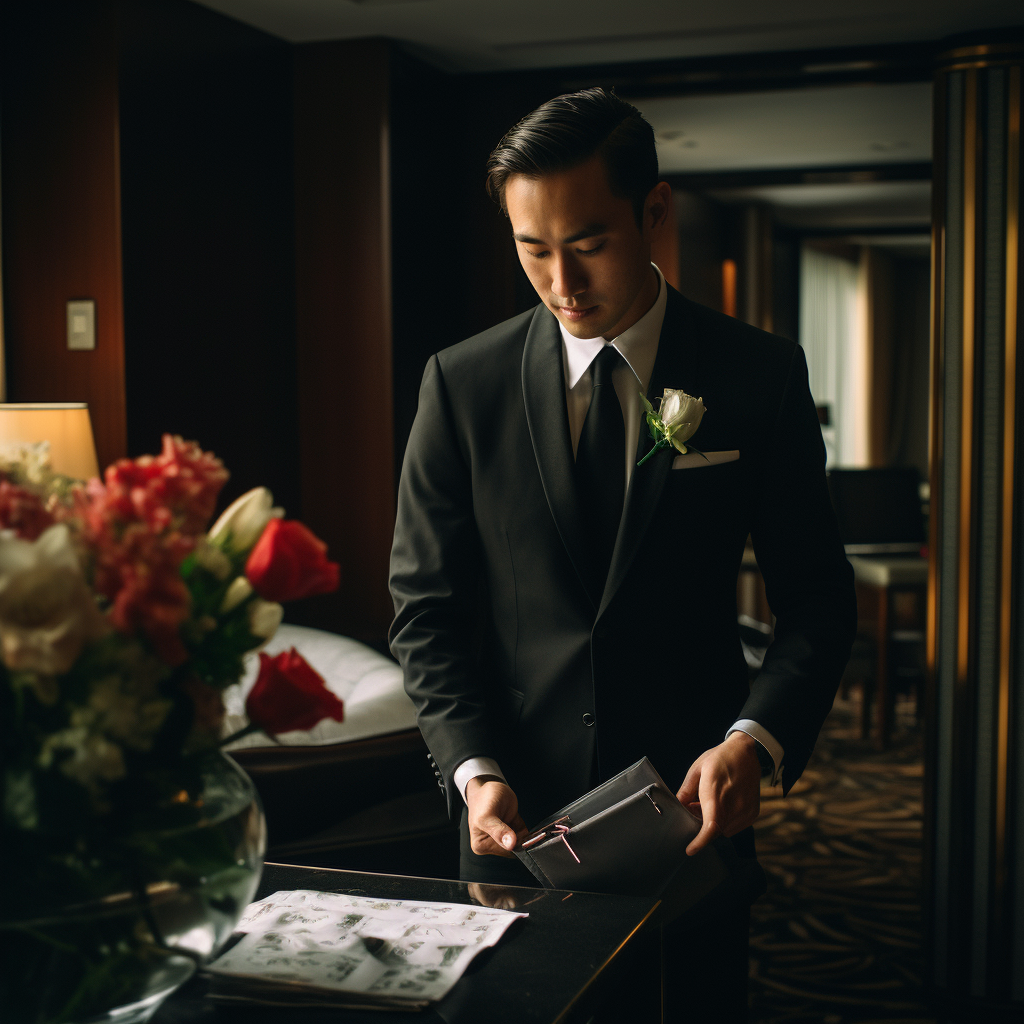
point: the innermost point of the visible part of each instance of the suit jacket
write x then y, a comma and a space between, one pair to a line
506, 639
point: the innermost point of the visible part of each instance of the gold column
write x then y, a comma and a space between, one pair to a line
974, 850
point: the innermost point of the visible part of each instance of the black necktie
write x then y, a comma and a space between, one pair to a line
601, 463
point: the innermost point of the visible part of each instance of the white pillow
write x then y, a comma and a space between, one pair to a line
369, 684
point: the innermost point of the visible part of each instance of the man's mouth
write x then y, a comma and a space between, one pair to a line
576, 312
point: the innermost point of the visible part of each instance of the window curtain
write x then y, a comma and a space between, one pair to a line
831, 310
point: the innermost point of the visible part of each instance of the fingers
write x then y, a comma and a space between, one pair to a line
482, 844
688, 790
709, 813
502, 836
708, 833
494, 818
726, 781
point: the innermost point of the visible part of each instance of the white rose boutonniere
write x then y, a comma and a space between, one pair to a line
674, 422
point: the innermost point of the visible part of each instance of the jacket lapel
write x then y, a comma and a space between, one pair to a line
548, 420
676, 366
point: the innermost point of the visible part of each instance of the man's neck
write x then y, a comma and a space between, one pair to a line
643, 304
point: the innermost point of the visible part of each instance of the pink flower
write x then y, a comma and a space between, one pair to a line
141, 522
179, 486
22, 511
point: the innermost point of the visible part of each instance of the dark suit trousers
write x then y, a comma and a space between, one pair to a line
704, 957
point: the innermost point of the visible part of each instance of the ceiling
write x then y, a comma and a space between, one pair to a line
823, 127
836, 126
484, 35
818, 127
916, 247
874, 206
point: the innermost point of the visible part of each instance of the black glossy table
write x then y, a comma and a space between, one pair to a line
576, 956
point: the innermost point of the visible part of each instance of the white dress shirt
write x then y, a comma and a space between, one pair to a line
638, 346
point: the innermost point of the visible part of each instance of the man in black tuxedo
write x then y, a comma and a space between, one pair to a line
562, 612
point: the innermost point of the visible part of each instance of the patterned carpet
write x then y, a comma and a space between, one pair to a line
837, 937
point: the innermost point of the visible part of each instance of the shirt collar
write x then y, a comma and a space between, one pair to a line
638, 345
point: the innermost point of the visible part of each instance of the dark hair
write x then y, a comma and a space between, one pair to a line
568, 131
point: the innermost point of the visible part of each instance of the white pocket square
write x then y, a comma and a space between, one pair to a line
694, 460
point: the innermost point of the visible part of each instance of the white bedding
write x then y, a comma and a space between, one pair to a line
369, 684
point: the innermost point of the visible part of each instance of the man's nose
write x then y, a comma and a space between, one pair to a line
568, 277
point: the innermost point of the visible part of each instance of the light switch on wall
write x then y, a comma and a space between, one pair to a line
82, 324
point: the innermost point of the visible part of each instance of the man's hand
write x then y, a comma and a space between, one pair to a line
723, 788
494, 821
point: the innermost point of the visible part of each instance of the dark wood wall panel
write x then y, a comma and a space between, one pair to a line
343, 317
208, 241
426, 228
702, 228
494, 286
61, 208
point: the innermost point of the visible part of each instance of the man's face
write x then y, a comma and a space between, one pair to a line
582, 250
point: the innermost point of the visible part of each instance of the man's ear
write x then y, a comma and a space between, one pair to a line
657, 205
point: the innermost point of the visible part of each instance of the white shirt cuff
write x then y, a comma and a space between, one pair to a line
471, 768
766, 739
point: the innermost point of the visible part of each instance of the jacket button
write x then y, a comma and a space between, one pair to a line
589, 719
440, 782
438, 774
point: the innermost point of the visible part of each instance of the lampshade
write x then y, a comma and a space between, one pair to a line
65, 425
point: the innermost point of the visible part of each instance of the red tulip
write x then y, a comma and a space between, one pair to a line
290, 694
289, 562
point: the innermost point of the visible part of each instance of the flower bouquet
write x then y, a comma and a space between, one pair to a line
129, 843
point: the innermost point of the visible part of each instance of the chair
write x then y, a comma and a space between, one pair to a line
882, 527
878, 509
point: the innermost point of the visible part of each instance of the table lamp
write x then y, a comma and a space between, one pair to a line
65, 425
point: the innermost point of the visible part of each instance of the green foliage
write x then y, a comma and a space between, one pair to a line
216, 653
653, 425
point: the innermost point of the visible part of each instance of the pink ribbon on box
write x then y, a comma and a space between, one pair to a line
556, 830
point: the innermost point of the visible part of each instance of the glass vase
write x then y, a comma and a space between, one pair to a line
124, 920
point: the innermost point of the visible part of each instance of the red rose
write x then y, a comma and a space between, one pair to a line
290, 694
289, 562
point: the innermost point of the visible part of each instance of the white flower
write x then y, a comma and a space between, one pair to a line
680, 415
236, 593
212, 559
129, 710
47, 612
244, 520
29, 459
264, 618
89, 758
